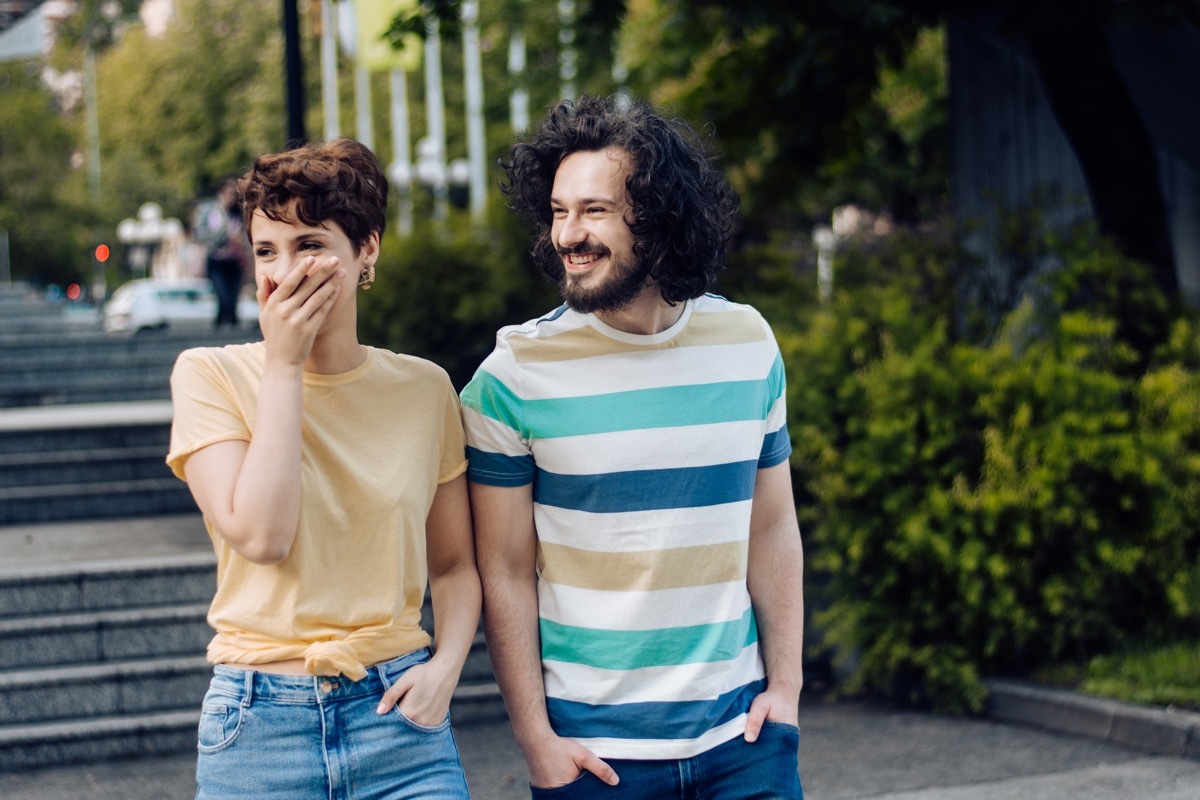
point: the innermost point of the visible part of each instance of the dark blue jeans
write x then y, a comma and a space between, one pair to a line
735, 770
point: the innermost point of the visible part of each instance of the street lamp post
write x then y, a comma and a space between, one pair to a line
432, 172
145, 234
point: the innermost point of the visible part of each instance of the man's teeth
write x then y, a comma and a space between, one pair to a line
586, 258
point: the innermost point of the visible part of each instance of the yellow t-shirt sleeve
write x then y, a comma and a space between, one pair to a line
454, 443
205, 410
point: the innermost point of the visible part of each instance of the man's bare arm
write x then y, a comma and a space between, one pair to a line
776, 581
506, 552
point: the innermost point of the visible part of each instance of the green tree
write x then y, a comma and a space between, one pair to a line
40, 191
798, 93
180, 110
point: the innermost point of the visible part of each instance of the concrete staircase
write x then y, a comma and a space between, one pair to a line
72, 366
105, 569
61, 463
105, 659
102, 660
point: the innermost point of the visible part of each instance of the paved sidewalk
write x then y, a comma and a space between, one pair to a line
1039, 744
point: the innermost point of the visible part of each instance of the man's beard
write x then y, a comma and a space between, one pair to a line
625, 280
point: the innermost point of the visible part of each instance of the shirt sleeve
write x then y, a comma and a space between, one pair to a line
498, 453
204, 409
777, 444
454, 461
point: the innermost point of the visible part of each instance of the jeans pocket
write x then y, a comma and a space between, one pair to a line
219, 726
418, 727
573, 788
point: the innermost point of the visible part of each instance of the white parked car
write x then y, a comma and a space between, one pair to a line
151, 304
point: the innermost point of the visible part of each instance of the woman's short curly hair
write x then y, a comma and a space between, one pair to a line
683, 207
339, 180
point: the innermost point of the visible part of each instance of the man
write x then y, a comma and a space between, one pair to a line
636, 533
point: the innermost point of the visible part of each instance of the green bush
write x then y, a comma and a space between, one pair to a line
982, 507
442, 293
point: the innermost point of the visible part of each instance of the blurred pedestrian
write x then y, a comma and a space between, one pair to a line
331, 478
636, 533
219, 227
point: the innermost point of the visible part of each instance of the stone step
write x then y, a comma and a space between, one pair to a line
71, 439
185, 579
103, 738
138, 687
103, 636
34, 361
78, 501
142, 686
38, 369
88, 426
21, 344
48, 468
100, 739
113, 385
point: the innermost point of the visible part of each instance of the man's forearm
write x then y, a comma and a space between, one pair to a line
510, 620
778, 597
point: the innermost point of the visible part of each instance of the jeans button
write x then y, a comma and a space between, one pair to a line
326, 687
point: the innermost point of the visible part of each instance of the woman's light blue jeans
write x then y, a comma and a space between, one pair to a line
294, 737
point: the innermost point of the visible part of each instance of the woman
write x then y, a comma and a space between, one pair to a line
330, 475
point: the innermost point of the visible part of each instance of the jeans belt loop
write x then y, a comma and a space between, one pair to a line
248, 676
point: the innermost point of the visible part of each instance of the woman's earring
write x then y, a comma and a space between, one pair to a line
366, 277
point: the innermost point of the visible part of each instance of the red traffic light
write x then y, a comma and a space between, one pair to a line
102, 253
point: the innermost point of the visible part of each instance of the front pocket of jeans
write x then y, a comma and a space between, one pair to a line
580, 779
219, 726
418, 727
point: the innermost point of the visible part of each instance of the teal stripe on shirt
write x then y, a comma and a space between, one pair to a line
662, 647
488, 395
637, 409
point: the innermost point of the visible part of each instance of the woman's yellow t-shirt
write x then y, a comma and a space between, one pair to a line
376, 443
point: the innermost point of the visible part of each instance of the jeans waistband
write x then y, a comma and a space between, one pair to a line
247, 685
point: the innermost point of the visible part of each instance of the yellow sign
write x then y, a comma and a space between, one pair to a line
375, 52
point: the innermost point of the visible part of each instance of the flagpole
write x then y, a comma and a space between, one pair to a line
329, 88
401, 167
435, 110
473, 79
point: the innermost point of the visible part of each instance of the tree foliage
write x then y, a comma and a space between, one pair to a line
181, 110
986, 507
41, 204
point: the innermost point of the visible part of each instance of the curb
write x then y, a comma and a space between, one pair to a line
1161, 731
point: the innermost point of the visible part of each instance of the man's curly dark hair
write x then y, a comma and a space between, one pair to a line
683, 207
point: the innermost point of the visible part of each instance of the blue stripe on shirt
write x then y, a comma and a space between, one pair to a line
648, 489
656, 720
497, 469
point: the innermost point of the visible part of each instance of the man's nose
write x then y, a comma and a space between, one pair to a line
571, 231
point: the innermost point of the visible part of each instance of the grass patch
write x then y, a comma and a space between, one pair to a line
1167, 675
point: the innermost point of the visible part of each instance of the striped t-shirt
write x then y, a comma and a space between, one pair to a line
643, 452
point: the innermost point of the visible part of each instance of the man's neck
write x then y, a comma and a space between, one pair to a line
646, 315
